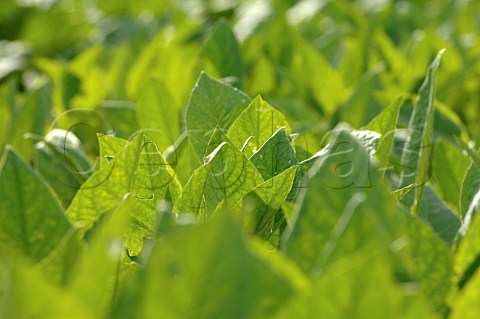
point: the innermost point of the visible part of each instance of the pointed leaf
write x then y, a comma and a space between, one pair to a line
138, 169
261, 204
329, 189
385, 123
345, 208
223, 51
32, 217
275, 156
259, 121
417, 153
211, 104
105, 189
227, 175
470, 187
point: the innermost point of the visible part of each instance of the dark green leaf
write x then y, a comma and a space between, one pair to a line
435, 212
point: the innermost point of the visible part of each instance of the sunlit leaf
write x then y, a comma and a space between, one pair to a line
257, 123
211, 104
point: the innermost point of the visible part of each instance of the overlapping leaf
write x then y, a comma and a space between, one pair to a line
211, 104
256, 124
470, 186
32, 217
418, 150
239, 285
275, 156
138, 169
346, 208
261, 205
385, 123
227, 175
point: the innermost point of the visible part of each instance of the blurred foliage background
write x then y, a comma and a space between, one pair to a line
113, 67
320, 62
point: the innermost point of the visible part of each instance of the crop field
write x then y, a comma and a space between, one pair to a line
239, 159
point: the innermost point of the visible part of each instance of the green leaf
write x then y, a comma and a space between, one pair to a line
260, 205
157, 112
258, 121
314, 74
470, 186
242, 284
473, 154
418, 150
449, 167
26, 293
138, 169
322, 203
105, 189
468, 252
361, 105
223, 51
59, 158
385, 123
138, 73
430, 260
275, 156
59, 266
447, 126
470, 214
349, 289
442, 218
211, 104
466, 305
227, 175
104, 259
121, 116
110, 146
51, 164
369, 140
32, 118
32, 217
154, 181
347, 206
